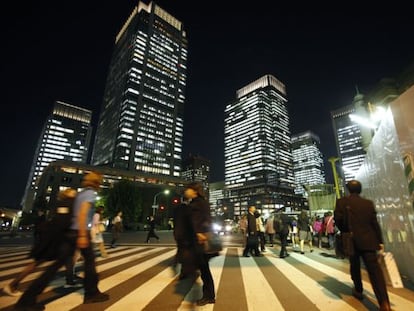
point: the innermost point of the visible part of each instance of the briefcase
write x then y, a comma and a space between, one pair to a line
390, 269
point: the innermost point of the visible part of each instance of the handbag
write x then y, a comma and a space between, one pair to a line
213, 244
344, 241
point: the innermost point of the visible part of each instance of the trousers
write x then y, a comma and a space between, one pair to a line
375, 273
67, 250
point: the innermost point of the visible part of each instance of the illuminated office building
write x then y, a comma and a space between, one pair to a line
308, 164
65, 136
196, 168
217, 194
351, 137
141, 120
258, 158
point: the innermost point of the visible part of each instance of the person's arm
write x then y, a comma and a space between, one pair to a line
83, 239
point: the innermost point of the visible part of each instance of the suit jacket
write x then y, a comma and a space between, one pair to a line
200, 215
362, 221
251, 224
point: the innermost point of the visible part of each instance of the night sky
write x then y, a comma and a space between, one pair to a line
60, 50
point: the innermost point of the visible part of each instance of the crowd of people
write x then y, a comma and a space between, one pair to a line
77, 225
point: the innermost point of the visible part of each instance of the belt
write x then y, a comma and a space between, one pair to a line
62, 210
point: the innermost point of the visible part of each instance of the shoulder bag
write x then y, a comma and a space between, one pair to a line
213, 244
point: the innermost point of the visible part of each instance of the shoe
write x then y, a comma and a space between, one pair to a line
72, 284
302, 253
259, 255
99, 297
246, 255
357, 295
33, 307
385, 306
11, 291
204, 301
311, 250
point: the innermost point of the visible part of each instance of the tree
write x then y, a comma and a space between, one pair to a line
127, 197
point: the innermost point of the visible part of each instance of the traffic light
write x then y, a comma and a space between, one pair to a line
175, 201
162, 207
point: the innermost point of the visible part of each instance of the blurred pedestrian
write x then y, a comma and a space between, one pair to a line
283, 228
252, 238
78, 236
270, 229
117, 228
98, 227
201, 221
305, 231
329, 229
184, 236
317, 230
260, 230
49, 235
358, 215
151, 231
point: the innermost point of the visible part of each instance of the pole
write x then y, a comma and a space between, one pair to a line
335, 175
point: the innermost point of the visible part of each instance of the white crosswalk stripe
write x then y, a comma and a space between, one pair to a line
140, 278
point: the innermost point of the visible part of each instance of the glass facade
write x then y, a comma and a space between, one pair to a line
308, 164
141, 122
387, 178
258, 158
65, 136
349, 141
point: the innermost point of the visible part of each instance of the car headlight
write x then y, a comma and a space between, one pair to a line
228, 228
216, 227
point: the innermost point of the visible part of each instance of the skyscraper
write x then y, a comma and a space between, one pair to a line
65, 136
141, 120
351, 137
196, 168
308, 164
258, 158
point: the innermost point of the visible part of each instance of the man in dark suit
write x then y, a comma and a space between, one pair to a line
362, 221
252, 240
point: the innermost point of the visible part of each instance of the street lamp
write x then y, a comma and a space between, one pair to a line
335, 175
154, 203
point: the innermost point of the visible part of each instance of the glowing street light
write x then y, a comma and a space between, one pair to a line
154, 203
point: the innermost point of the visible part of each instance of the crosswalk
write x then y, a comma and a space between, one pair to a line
141, 278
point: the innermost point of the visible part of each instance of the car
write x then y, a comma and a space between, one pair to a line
223, 227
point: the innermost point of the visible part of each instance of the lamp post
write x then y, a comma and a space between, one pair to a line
335, 175
154, 203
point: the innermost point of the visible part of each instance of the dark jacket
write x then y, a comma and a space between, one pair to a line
200, 215
251, 224
183, 227
362, 221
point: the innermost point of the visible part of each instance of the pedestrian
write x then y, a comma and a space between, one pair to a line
305, 231
270, 229
329, 229
116, 228
252, 238
283, 223
243, 228
317, 230
97, 229
184, 236
151, 230
361, 217
78, 236
48, 235
201, 222
260, 230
